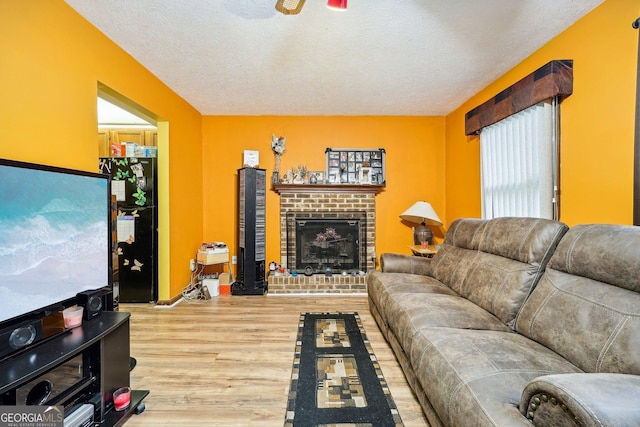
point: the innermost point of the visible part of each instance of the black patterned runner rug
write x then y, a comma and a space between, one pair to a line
336, 379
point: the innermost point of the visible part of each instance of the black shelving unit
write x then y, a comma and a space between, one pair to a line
102, 345
252, 194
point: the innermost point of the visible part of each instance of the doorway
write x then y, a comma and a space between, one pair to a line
131, 141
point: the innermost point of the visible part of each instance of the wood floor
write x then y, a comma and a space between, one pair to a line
227, 361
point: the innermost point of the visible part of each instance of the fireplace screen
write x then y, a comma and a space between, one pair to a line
320, 244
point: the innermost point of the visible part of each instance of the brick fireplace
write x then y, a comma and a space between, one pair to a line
333, 202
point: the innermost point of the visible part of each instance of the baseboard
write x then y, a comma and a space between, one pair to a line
171, 301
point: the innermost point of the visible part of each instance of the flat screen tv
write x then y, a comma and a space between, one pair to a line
54, 237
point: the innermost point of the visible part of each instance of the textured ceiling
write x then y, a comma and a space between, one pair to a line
400, 57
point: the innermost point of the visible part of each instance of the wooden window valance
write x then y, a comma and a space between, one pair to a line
551, 80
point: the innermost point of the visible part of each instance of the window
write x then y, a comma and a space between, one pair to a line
519, 164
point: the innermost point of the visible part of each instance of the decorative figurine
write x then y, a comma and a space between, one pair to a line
278, 147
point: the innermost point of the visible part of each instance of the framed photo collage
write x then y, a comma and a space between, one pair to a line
355, 166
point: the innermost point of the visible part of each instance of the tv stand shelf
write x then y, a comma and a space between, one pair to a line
103, 346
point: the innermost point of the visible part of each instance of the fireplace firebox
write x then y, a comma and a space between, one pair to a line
326, 242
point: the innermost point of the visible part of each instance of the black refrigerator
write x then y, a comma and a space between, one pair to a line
134, 186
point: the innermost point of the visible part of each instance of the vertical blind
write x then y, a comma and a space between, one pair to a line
517, 165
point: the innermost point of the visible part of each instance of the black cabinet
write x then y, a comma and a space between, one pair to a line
252, 194
84, 365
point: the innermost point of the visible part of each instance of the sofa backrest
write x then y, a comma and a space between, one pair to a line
457, 253
587, 304
465, 233
452, 262
496, 263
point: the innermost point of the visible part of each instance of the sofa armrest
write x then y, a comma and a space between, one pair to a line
583, 399
398, 263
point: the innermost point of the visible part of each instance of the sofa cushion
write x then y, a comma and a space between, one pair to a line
603, 252
498, 285
465, 233
510, 258
451, 265
410, 313
528, 240
587, 307
400, 263
383, 287
457, 254
476, 378
594, 325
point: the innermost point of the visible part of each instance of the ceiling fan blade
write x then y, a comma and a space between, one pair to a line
289, 7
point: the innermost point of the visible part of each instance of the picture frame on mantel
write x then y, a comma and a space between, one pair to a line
344, 165
318, 175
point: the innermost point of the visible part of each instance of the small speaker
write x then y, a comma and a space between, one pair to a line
19, 336
39, 394
58, 381
92, 303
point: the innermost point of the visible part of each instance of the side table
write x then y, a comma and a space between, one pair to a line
217, 257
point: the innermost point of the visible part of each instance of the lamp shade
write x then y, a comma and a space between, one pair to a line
337, 4
421, 213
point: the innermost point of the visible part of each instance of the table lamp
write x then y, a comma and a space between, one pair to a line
422, 213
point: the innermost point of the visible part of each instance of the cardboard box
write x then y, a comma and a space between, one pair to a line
208, 258
225, 278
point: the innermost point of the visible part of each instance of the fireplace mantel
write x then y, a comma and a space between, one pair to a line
336, 200
328, 188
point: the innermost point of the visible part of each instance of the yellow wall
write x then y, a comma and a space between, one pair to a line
51, 60
415, 168
597, 121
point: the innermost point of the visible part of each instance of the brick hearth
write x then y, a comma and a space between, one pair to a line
322, 198
318, 283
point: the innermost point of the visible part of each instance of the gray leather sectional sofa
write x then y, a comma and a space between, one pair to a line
518, 321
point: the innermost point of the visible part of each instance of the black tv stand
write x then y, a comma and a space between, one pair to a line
100, 346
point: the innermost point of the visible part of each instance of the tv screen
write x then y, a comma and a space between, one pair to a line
54, 236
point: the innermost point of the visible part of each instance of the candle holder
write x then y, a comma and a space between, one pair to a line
122, 398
